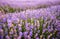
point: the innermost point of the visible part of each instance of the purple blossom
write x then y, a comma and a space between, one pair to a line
37, 38
20, 28
1, 37
38, 31
22, 16
30, 33
44, 30
49, 27
9, 25
25, 33
20, 34
32, 26
36, 34
9, 20
7, 37
1, 26
4, 19
29, 37
53, 38
58, 28
19, 37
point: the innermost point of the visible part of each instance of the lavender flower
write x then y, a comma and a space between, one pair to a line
20, 34
30, 33
7, 37
37, 37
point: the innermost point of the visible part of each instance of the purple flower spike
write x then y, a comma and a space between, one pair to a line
31, 33
23, 16
20, 33
37, 38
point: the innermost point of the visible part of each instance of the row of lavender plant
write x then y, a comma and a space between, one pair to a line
30, 24
24, 4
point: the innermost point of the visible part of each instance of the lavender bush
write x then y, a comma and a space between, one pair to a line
41, 23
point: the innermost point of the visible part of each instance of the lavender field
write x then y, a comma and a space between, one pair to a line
29, 20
